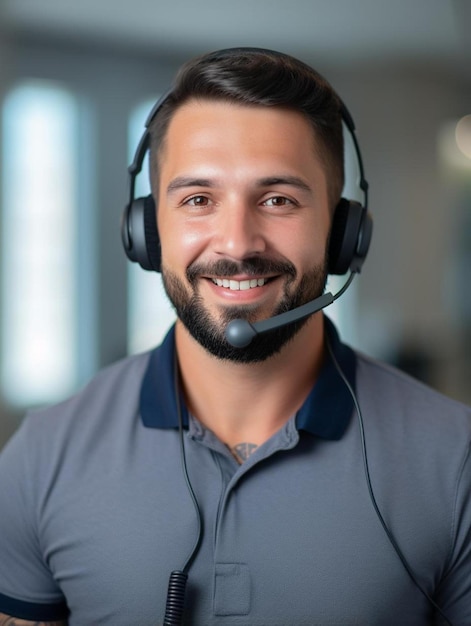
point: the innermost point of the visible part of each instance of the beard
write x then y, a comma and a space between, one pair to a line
210, 332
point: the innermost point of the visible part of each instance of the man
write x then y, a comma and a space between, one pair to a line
279, 508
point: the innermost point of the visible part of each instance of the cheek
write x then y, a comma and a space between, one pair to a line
307, 244
181, 243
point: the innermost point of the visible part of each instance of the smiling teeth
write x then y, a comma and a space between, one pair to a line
239, 285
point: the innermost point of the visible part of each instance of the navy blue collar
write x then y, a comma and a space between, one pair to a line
325, 413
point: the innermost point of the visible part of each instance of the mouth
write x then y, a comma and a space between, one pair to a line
240, 285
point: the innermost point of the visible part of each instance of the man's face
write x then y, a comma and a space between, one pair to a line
243, 219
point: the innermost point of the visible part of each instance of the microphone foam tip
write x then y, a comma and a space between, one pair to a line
239, 333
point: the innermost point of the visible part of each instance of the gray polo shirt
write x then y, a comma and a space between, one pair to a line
95, 512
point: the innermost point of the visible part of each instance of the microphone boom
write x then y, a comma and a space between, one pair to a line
240, 333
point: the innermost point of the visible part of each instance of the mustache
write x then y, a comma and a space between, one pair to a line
253, 266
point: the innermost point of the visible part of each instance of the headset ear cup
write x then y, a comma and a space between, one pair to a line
364, 240
139, 233
344, 236
151, 234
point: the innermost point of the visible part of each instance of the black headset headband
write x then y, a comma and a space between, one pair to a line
144, 144
351, 227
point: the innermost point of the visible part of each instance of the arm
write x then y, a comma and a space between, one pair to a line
28, 592
7, 620
454, 593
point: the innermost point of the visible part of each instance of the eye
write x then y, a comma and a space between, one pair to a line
279, 201
197, 201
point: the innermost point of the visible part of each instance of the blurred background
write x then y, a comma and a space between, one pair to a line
77, 80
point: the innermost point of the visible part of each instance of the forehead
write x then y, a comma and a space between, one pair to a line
205, 130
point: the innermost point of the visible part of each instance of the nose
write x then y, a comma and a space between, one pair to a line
240, 232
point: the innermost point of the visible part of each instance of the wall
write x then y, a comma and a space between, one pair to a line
407, 296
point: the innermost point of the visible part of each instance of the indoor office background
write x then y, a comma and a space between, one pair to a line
76, 82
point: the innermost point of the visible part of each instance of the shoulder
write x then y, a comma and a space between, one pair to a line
112, 384
402, 407
110, 398
384, 382
55, 444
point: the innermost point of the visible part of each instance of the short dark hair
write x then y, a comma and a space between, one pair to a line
253, 76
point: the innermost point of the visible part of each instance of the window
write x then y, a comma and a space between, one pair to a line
39, 146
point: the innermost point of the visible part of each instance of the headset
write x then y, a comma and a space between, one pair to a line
351, 229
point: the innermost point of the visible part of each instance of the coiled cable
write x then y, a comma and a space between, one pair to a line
178, 578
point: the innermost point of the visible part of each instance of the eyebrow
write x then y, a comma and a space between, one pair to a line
182, 182
293, 181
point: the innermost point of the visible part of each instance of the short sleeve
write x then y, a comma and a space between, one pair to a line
27, 587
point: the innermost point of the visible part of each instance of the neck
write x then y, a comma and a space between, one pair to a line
247, 403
